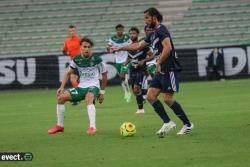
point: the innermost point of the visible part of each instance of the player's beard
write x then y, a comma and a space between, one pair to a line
152, 24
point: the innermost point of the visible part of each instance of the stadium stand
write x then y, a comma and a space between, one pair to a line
213, 23
33, 27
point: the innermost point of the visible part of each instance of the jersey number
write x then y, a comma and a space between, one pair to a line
73, 91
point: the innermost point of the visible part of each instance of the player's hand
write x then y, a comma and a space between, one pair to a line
108, 47
101, 98
113, 49
60, 91
158, 68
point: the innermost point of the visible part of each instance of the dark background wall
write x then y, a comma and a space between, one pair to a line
47, 71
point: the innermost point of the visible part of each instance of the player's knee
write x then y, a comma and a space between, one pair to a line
151, 98
60, 99
89, 98
122, 78
168, 100
136, 89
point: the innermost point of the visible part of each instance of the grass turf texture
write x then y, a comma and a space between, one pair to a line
219, 110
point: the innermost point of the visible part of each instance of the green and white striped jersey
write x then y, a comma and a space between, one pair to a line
121, 56
89, 70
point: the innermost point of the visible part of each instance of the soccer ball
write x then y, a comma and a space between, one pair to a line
127, 129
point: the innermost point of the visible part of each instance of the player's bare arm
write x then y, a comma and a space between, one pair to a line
131, 47
103, 86
164, 55
65, 80
108, 47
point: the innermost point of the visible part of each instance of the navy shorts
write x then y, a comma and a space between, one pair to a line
167, 83
137, 78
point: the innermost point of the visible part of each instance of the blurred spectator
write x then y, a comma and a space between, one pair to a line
71, 47
215, 65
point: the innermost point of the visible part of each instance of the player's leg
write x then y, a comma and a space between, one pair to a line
124, 79
91, 95
171, 86
139, 99
176, 107
144, 87
152, 96
138, 79
159, 109
61, 99
74, 79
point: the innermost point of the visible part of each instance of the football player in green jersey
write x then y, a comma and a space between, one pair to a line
91, 69
121, 39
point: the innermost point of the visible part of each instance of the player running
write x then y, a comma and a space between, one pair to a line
137, 67
166, 79
90, 68
121, 39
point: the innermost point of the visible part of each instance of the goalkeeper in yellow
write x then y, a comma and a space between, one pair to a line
91, 69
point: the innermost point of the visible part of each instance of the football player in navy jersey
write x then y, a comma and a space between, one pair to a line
137, 68
167, 68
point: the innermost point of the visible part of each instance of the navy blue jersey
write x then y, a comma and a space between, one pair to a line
155, 40
135, 56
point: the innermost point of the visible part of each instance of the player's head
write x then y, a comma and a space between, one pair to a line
72, 30
119, 28
86, 46
152, 16
134, 33
148, 30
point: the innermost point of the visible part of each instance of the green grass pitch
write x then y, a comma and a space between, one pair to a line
220, 112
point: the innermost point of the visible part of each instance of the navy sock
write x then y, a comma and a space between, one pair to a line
144, 92
139, 100
176, 107
159, 109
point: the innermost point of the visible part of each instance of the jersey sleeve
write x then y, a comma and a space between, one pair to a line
111, 42
162, 34
129, 42
102, 68
73, 65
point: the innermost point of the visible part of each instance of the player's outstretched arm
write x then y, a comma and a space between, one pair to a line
131, 47
65, 80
